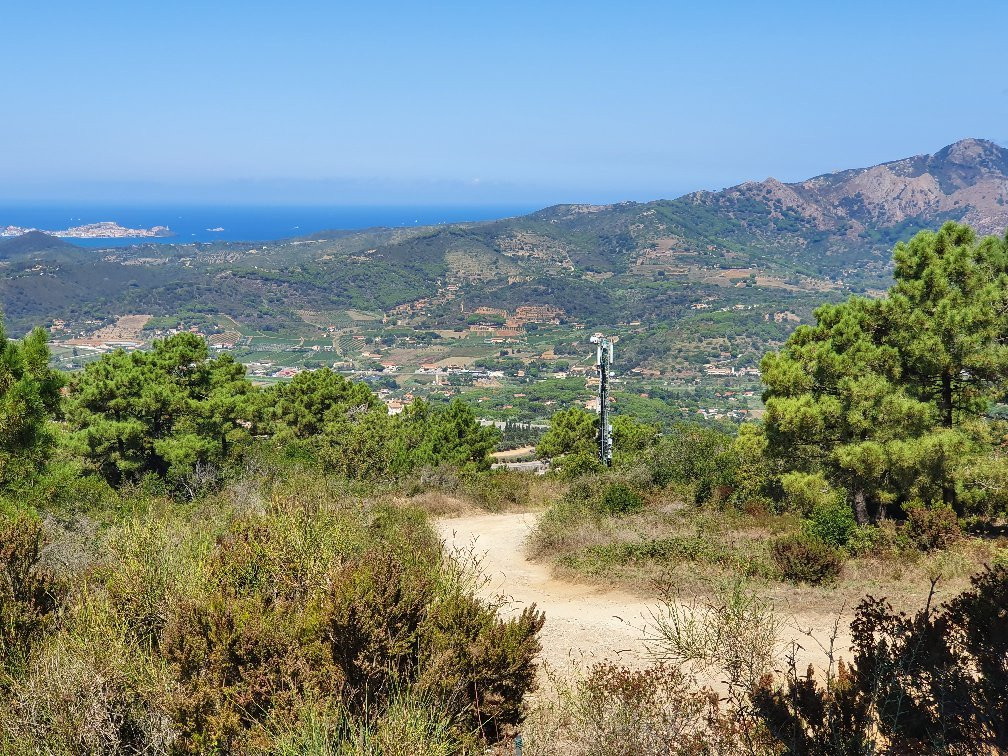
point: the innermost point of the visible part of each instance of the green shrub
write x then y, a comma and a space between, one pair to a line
479, 666
805, 493
668, 551
881, 540
409, 725
694, 455
931, 528
619, 498
268, 637
238, 661
832, 522
802, 559
573, 466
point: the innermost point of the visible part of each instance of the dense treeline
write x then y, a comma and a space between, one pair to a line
173, 409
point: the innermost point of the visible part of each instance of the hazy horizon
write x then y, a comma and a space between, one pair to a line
469, 105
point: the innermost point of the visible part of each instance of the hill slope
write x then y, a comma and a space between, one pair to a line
760, 242
32, 242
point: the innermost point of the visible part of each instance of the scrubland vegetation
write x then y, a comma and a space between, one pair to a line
190, 564
193, 565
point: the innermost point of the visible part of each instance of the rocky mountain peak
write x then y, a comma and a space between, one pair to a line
966, 181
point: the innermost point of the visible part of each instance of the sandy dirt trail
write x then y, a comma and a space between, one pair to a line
584, 622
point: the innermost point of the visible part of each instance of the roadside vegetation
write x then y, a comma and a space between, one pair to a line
189, 564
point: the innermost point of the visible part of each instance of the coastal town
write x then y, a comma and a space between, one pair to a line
100, 230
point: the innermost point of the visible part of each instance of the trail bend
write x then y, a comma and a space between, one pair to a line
585, 622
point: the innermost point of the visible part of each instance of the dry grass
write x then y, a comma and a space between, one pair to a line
442, 494
667, 541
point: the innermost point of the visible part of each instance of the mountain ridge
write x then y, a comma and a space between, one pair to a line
970, 176
656, 261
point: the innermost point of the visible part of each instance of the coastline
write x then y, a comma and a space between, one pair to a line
100, 230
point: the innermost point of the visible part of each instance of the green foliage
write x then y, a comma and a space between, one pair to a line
314, 401
429, 436
950, 302
578, 464
805, 492
572, 431
804, 559
832, 522
29, 398
161, 412
632, 437
883, 398
619, 499
226, 626
829, 517
694, 456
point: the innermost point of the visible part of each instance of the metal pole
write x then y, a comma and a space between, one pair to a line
604, 361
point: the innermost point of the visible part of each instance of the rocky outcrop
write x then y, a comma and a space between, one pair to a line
965, 181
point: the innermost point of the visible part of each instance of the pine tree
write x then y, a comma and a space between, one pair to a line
29, 398
886, 398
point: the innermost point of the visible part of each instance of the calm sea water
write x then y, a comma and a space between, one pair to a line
243, 223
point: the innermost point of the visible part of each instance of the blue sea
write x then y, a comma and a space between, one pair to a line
241, 223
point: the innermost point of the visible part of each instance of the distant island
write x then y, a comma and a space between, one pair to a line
101, 230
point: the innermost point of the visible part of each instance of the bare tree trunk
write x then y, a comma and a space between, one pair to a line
861, 508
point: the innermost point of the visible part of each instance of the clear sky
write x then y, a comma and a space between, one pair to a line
479, 102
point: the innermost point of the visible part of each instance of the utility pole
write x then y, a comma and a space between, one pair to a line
604, 358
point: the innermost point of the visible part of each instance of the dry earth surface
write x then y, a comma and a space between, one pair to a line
587, 622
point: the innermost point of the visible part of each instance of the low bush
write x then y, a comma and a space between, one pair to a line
803, 559
91, 688
832, 522
879, 541
667, 551
573, 466
615, 710
619, 499
931, 528
219, 627
29, 594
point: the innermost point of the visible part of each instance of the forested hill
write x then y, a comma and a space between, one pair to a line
600, 264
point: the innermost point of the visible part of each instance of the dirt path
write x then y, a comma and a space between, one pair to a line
512, 454
583, 622
586, 622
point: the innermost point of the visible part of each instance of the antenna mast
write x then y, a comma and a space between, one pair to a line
604, 358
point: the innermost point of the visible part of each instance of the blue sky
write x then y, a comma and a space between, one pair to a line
475, 102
